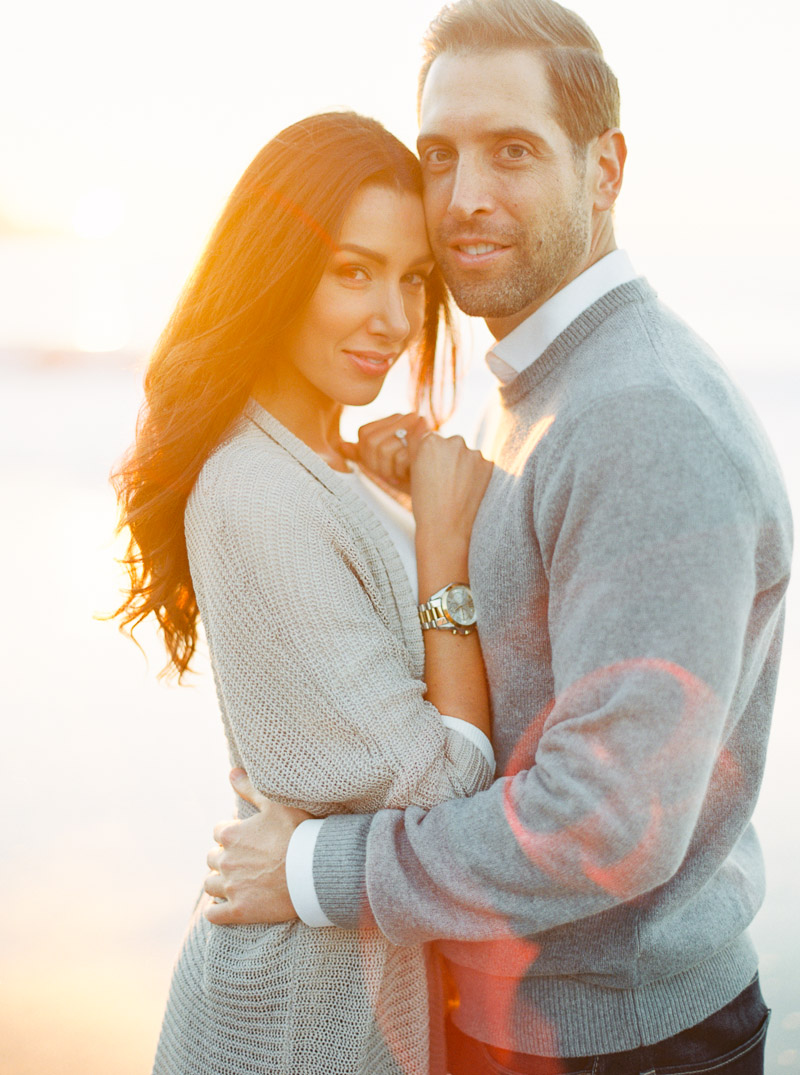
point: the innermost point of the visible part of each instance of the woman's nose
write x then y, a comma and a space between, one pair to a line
390, 318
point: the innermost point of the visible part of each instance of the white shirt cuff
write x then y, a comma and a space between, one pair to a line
475, 736
300, 873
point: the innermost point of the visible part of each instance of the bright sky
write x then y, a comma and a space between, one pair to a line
131, 124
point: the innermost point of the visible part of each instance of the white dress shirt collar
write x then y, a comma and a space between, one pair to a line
516, 351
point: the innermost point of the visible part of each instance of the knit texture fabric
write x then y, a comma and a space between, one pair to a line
629, 563
318, 660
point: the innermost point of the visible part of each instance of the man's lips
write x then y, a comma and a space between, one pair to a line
476, 251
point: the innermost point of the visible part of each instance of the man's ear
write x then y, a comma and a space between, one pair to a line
608, 154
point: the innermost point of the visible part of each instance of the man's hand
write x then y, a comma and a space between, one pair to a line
248, 863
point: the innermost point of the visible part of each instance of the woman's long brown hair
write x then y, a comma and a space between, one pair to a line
260, 267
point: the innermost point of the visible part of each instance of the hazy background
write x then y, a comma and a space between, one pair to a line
121, 132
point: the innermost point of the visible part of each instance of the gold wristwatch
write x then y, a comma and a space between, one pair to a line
450, 609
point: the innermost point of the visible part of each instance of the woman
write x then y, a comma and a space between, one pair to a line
315, 280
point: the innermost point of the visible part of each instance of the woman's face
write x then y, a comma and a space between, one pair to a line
369, 304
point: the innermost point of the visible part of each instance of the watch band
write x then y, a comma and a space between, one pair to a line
434, 615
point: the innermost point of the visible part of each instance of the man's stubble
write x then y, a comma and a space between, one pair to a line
543, 259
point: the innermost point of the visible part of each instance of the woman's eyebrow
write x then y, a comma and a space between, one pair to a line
381, 259
364, 252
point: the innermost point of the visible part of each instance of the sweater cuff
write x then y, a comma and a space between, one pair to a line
340, 870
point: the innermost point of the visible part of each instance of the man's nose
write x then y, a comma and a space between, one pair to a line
471, 191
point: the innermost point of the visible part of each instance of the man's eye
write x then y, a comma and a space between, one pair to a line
515, 152
437, 156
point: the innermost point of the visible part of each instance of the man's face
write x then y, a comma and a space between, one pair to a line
508, 208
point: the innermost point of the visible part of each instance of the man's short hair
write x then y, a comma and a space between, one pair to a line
584, 88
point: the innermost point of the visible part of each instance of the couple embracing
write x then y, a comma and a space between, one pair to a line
527, 718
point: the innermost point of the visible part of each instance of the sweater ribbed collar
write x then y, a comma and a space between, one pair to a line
637, 291
510, 354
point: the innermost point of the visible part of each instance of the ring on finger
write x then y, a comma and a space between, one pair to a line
402, 436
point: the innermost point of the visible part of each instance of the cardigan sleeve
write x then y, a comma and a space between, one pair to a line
316, 688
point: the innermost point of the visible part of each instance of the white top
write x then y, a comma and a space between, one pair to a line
397, 521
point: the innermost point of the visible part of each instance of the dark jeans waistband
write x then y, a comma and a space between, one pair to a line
728, 1037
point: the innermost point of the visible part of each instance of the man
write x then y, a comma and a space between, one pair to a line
629, 566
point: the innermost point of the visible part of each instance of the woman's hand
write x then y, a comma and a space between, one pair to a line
448, 481
384, 454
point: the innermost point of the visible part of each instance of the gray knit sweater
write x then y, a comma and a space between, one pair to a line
318, 659
629, 563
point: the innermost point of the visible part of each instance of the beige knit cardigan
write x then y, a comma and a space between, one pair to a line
318, 660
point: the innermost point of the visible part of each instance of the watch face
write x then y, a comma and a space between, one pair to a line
460, 606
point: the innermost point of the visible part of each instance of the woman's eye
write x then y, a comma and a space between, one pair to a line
353, 272
416, 279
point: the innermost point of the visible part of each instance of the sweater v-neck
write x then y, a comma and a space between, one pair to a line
573, 335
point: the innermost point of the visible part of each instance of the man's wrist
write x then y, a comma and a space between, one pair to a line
340, 867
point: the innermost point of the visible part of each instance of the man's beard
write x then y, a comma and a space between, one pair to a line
541, 262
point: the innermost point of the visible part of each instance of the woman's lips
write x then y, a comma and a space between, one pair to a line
374, 363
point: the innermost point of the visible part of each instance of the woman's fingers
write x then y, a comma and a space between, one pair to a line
373, 439
386, 447
349, 451
379, 444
